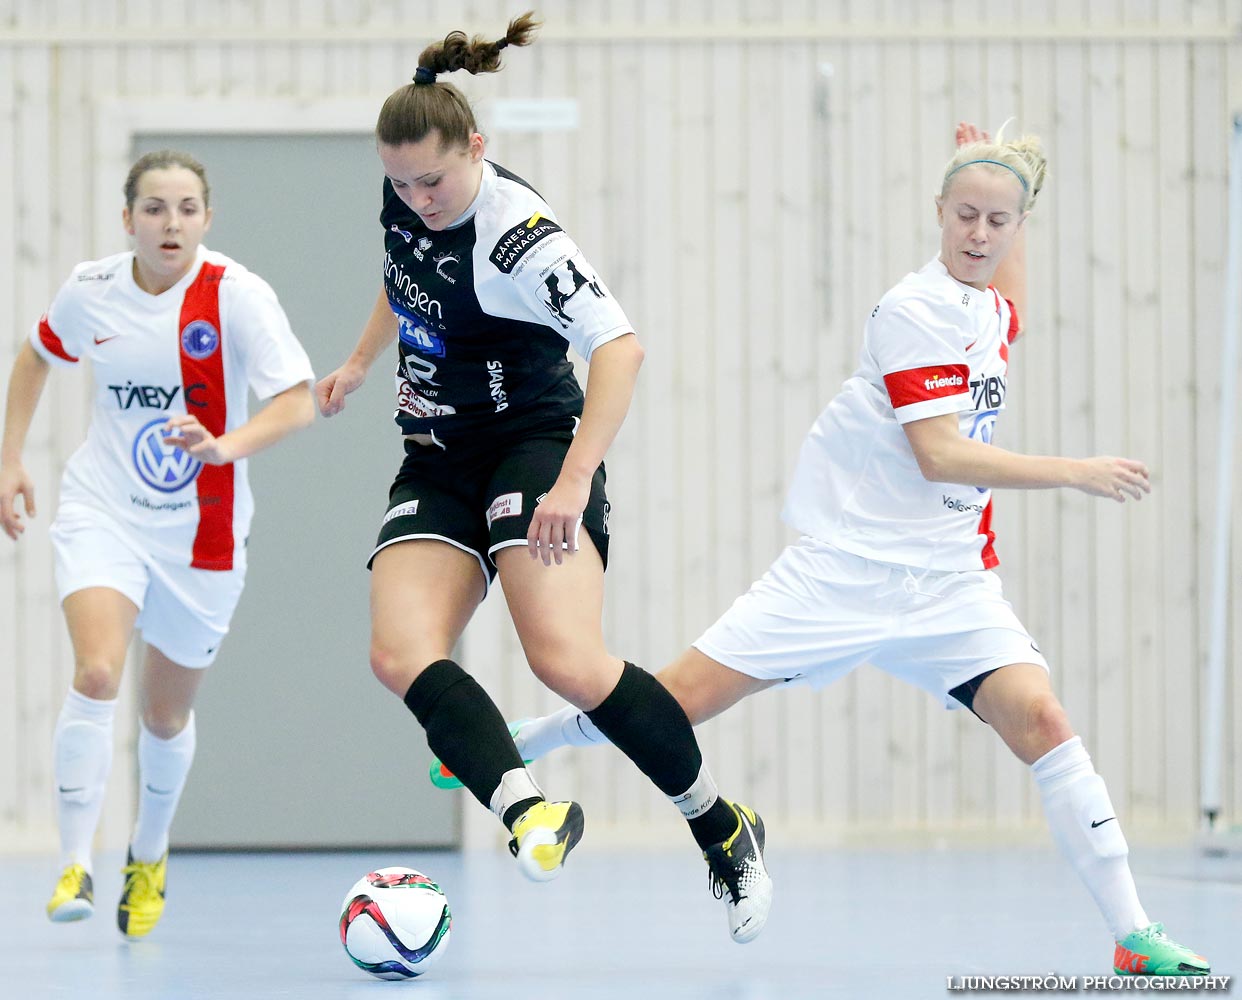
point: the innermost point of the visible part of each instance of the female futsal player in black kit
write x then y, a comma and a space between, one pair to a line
503, 474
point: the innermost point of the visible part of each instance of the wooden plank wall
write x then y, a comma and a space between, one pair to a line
749, 176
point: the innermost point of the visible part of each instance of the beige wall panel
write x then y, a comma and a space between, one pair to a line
800, 328
1068, 638
1217, 90
36, 603
1106, 558
748, 211
12, 558
1233, 743
1141, 374
1176, 716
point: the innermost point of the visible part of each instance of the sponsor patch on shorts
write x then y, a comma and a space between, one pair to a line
407, 509
505, 505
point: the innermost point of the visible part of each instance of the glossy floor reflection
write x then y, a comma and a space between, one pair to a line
846, 923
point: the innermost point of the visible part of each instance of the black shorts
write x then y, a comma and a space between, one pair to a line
479, 495
965, 693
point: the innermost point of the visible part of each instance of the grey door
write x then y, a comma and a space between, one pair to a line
298, 745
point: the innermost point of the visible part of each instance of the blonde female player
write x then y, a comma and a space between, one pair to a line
154, 506
893, 494
484, 293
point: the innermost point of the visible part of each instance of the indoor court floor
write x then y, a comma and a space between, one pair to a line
882, 923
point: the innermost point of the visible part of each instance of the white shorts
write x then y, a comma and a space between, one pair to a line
818, 613
183, 612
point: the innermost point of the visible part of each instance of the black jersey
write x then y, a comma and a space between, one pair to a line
487, 308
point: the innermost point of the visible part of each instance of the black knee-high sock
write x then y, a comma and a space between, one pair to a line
465, 730
647, 724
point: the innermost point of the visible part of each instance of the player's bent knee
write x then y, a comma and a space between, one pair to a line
391, 670
570, 679
1047, 725
398, 669
96, 680
164, 725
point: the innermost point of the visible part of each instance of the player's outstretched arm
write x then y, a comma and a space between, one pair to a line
26, 383
945, 456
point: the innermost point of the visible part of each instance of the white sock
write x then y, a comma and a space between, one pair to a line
566, 728
82, 756
514, 786
162, 769
1087, 831
699, 797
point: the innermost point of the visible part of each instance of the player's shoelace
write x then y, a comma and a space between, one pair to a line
737, 876
142, 898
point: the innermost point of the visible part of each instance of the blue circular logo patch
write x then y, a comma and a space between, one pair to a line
200, 339
162, 466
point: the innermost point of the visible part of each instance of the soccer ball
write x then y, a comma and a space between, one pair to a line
395, 923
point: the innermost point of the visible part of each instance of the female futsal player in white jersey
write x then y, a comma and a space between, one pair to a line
155, 506
892, 492
503, 474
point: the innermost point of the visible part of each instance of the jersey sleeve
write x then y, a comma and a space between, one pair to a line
917, 347
58, 336
274, 359
556, 285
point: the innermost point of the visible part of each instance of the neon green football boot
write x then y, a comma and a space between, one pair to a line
1150, 952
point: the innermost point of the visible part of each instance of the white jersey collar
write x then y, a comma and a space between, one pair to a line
937, 266
136, 291
485, 189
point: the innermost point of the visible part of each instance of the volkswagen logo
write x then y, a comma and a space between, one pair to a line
162, 466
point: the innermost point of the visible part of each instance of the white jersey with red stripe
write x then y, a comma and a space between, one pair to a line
196, 348
932, 346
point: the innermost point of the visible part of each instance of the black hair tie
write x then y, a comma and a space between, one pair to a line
501, 44
424, 75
